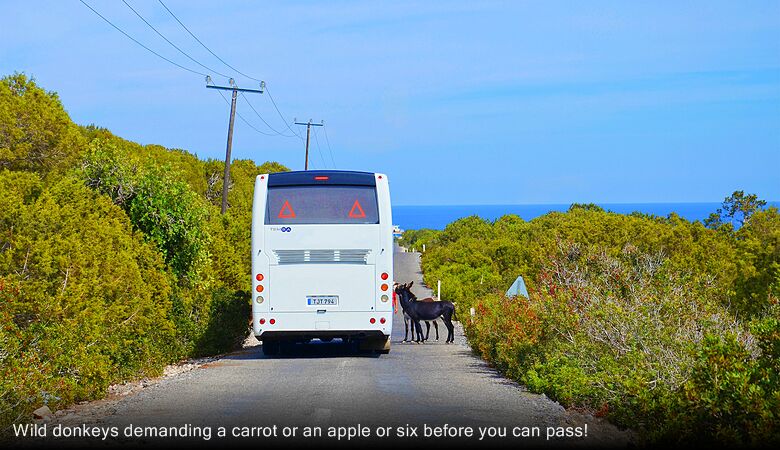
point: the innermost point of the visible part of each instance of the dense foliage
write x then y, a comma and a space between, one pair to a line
114, 258
666, 326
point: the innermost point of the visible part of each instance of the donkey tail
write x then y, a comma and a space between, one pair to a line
454, 312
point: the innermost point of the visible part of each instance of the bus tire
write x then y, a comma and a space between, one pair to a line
271, 348
375, 345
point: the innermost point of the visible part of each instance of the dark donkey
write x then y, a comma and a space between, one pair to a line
418, 310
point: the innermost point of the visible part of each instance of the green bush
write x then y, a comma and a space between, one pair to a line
114, 257
85, 302
36, 133
659, 324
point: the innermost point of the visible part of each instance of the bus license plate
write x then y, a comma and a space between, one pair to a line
323, 300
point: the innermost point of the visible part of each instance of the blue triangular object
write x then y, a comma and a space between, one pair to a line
517, 288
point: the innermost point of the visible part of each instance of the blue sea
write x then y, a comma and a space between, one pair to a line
437, 217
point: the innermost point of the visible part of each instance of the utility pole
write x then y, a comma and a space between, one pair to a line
309, 124
233, 87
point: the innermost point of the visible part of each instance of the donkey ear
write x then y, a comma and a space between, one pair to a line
411, 283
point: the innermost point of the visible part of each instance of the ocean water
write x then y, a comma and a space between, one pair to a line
438, 216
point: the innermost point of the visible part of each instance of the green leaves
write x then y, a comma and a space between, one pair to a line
172, 216
36, 133
639, 318
113, 261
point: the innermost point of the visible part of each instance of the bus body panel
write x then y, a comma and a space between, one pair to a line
299, 262
351, 285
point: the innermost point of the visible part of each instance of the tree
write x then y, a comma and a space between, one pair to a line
736, 207
36, 133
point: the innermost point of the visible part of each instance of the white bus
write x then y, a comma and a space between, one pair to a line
322, 259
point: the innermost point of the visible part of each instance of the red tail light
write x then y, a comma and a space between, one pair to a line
272, 321
382, 320
385, 276
321, 178
259, 277
262, 321
384, 287
259, 288
373, 321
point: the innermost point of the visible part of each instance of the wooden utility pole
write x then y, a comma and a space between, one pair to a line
233, 87
308, 124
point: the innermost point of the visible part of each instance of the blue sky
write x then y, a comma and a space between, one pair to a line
458, 102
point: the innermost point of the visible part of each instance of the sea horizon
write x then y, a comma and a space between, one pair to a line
415, 217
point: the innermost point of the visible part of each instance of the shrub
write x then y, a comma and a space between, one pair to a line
84, 300
36, 133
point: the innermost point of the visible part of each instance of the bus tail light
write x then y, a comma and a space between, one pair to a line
259, 288
259, 299
259, 277
382, 320
272, 321
385, 276
373, 321
262, 321
384, 287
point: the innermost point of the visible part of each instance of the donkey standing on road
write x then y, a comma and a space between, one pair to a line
409, 323
419, 310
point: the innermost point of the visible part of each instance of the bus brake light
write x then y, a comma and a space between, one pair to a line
385, 276
373, 321
259, 277
384, 287
382, 320
321, 178
259, 288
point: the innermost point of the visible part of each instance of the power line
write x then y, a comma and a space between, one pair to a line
169, 41
325, 129
261, 118
280, 114
273, 102
204, 45
317, 141
296, 134
142, 45
242, 117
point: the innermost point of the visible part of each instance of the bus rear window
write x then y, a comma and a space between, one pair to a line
321, 204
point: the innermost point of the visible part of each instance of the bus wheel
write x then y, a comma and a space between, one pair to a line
271, 348
381, 345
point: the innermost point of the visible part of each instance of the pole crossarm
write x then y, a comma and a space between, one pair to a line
228, 88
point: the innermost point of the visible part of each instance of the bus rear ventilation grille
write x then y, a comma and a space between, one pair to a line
344, 256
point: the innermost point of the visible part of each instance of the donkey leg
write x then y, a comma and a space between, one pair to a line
427, 330
406, 329
418, 327
436, 327
450, 327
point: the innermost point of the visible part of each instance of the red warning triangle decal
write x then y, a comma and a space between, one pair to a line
286, 212
357, 211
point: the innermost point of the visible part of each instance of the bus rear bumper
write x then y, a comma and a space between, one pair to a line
311, 325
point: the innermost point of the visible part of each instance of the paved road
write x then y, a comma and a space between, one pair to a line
326, 385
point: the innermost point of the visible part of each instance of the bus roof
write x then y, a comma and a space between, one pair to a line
316, 177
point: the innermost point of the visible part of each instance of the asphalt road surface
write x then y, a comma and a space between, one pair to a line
330, 385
